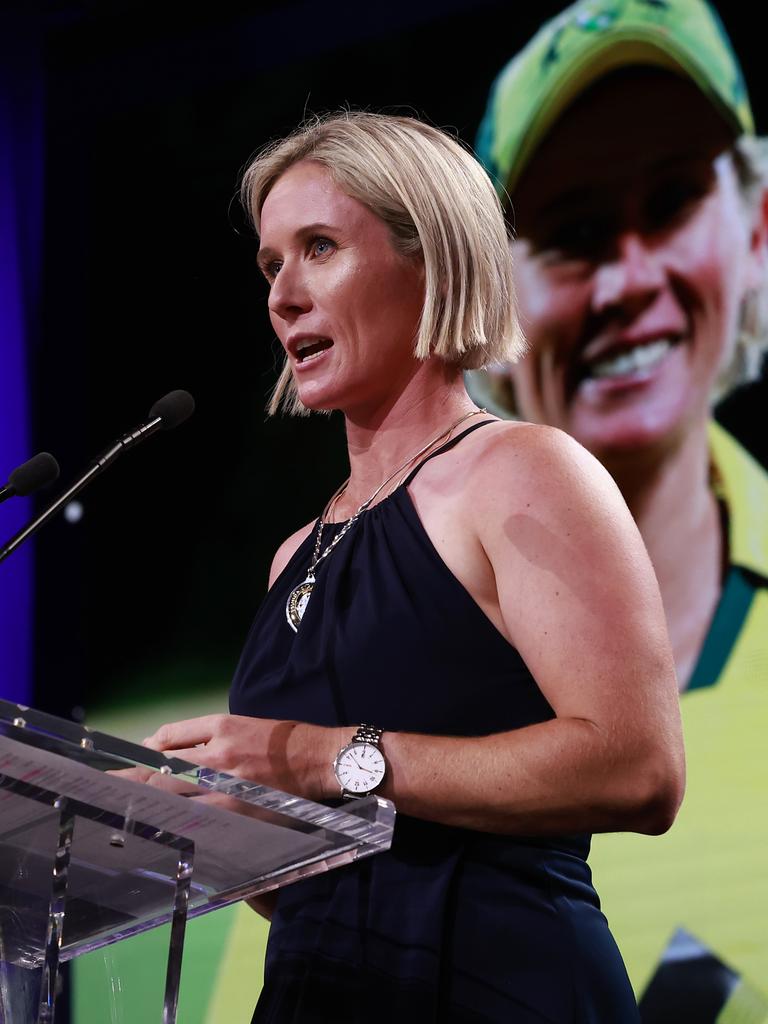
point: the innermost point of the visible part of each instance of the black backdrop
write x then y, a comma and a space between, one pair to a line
150, 284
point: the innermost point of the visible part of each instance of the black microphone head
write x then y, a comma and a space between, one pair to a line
38, 471
173, 409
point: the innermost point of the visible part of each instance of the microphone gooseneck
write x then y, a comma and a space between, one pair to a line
169, 412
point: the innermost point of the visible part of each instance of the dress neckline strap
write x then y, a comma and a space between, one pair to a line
444, 448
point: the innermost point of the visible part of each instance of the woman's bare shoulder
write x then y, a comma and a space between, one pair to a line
551, 521
517, 460
541, 473
288, 549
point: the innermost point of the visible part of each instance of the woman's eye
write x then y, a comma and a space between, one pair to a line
321, 246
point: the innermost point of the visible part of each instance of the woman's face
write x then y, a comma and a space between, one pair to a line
633, 254
345, 305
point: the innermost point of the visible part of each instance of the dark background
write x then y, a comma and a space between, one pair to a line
149, 284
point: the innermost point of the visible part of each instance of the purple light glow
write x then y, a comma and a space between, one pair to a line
16, 573
21, 164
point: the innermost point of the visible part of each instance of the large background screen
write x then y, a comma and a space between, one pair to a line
130, 271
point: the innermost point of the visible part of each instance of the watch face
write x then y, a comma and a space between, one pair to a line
360, 767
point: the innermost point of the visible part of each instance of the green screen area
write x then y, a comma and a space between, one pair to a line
221, 973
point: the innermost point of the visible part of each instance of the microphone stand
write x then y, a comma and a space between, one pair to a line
99, 465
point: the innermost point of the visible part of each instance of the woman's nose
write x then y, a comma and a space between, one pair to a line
630, 278
288, 295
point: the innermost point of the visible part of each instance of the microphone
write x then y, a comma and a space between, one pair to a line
40, 470
166, 414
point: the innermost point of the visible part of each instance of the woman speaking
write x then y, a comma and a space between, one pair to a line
471, 627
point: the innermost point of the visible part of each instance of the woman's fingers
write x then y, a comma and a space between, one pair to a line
186, 734
265, 750
195, 755
135, 774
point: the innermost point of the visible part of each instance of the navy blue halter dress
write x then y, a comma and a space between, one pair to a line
451, 925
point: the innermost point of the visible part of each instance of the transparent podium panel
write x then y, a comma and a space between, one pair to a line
101, 839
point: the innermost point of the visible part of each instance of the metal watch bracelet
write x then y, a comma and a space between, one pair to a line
367, 734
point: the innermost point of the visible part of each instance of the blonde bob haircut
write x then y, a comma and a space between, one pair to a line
441, 209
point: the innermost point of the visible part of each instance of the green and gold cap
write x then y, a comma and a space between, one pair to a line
589, 39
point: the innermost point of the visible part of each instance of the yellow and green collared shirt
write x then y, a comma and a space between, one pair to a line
709, 874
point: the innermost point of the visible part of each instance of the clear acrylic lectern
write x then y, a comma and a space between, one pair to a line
89, 856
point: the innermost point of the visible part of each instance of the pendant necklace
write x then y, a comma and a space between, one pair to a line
298, 599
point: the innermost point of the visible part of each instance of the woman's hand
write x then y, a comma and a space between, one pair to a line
290, 756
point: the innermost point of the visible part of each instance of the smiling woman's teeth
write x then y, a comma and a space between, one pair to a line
643, 357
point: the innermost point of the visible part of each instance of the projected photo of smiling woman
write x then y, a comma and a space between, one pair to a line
622, 142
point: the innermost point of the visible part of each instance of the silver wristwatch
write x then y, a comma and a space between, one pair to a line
360, 766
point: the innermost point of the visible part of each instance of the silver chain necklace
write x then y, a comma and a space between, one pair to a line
298, 599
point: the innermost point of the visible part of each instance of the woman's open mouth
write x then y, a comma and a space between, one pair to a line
311, 348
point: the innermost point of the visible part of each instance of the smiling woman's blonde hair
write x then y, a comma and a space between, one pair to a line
440, 208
